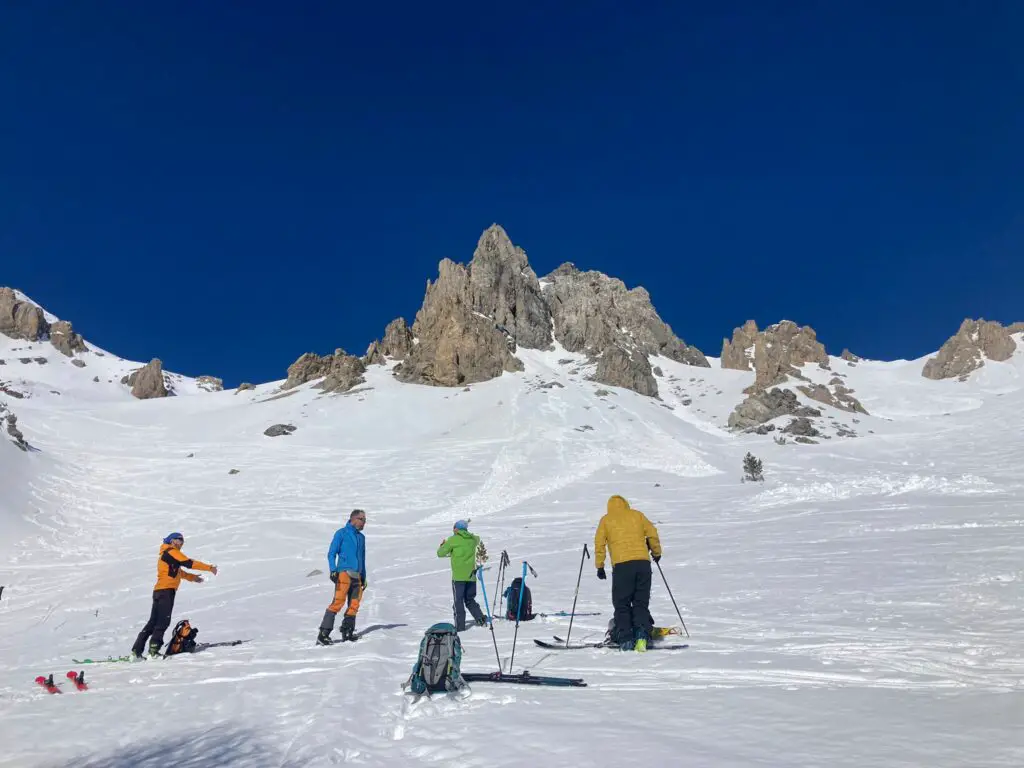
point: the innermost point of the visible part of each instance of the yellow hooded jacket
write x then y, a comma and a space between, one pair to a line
626, 533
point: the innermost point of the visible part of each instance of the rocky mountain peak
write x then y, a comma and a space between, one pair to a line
475, 317
967, 350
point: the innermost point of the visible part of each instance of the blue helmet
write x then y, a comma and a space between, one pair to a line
172, 536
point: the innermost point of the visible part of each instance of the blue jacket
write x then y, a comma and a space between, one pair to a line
348, 551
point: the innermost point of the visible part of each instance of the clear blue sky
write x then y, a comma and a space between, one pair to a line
228, 185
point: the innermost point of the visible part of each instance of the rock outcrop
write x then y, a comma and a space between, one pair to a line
737, 354
764, 406
340, 371
244, 386
24, 320
65, 340
837, 394
475, 317
456, 345
593, 312
778, 351
210, 384
12, 427
148, 382
21, 319
277, 430
849, 357
628, 369
967, 350
503, 287
397, 344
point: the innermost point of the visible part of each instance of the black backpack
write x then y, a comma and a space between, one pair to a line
183, 640
512, 605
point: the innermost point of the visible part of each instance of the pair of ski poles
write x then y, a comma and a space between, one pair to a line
586, 556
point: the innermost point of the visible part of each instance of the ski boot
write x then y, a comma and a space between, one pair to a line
324, 637
640, 644
348, 629
154, 649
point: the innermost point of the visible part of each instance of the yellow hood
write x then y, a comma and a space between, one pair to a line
617, 504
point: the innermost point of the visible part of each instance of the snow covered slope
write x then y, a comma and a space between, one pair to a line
863, 606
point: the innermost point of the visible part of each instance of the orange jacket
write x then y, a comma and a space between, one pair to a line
626, 532
169, 565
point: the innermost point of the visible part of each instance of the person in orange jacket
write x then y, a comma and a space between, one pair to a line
629, 536
169, 572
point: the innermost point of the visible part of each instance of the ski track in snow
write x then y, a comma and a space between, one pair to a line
861, 607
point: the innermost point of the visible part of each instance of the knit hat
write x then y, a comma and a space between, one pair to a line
461, 525
172, 536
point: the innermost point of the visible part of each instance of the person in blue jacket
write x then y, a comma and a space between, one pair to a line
346, 562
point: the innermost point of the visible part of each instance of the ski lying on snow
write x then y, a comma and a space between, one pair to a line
199, 647
561, 646
524, 678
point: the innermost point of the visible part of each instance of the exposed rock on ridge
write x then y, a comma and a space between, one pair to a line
148, 382
967, 350
397, 344
340, 371
455, 344
475, 317
210, 383
777, 352
737, 355
24, 320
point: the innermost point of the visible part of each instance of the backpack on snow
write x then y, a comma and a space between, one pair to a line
183, 640
437, 668
511, 596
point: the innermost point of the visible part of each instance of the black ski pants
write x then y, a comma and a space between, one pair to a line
159, 620
464, 594
631, 596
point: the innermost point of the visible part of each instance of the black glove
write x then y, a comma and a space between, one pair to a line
656, 558
334, 576
601, 574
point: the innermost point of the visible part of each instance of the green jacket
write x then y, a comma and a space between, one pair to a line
461, 548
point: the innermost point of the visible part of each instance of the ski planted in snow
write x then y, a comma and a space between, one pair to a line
48, 684
523, 678
78, 679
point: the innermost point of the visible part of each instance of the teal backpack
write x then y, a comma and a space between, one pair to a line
437, 668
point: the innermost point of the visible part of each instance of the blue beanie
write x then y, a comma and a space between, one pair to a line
172, 536
461, 525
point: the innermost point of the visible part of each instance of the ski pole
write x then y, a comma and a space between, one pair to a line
672, 598
519, 609
500, 581
490, 619
586, 553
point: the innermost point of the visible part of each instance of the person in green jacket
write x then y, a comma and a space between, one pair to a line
461, 548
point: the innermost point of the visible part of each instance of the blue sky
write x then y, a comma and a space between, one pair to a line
228, 185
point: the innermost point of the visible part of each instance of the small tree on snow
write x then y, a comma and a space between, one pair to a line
481, 554
752, 469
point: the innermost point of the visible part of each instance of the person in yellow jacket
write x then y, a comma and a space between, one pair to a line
628, 535
169, 573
